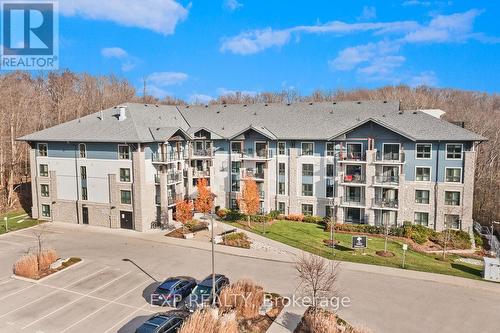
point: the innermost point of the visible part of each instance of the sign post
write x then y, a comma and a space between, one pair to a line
405, 247
6, 223
359, 242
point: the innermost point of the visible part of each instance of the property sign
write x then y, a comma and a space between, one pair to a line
359, 242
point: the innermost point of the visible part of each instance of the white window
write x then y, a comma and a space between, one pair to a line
307, 190
281, 207
451, 221
45, 210
236, 147
281, 148
422, 174
424, 150
307, 170
422, 196
44, 170
454, 151
83, 150
391, 151
452, 198
307, 209
453, 175
123, 152
330, 149
42, 149
125, 175
44, 190
422, 218
307, 148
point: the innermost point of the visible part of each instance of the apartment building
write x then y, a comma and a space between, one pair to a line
360, 162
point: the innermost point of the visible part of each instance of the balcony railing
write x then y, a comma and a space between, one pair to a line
361, 220
252, 173
201, 152
352, 201
262, 194
384, 179
357, 179
173, 198
353, 156
259, 154
174, 177
157, 179
384, 203
168, 157
390, 157
201, 173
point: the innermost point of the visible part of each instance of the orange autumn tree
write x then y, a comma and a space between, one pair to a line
249, 200
183, 212
204, 201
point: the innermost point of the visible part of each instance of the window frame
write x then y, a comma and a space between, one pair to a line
80, 145
284, 149
121, 197
46, 213
279, 188
420, 214
391, 143
451, 202
332, 151
303, 192
120, 154
302, 170
423, 167
279, 169
452, 227
84, 194
333, 170
428, 197
446, 176
302, 148
281, 203
129, 175
42, 192
231, 147
416, 151
40, 170
302, 209
461, 151
46, 149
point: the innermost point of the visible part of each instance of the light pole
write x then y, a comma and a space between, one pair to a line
213, 257
6, 220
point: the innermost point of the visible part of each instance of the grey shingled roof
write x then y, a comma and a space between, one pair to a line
312, 121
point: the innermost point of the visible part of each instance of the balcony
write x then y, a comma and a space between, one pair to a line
386, 180
354, 179
174, 177
174, 198
157, 179
261, 154
352, 157
168, 157
354, 220
390, 157
352, 201
262, 194
250, 173
201, 173
384, 203
201, 153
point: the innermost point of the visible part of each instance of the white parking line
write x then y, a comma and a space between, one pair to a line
75, 300
51, 293
126, 318
16, 292
102, 307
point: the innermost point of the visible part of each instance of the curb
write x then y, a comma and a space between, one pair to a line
13, 276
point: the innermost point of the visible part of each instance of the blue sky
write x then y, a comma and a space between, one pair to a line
200, 49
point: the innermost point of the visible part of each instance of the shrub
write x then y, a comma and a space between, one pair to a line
195, 225
478, 239
273, 215
209, 321
26, 266
319, 321
244, 296
458, 239
46, 258
259, 218
312, 219
221, 213
237, 239
234, 215
295, 217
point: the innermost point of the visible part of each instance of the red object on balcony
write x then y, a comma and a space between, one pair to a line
348, 178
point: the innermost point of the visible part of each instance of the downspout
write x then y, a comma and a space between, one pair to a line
436, 184
77, 186
277, 175
133, 186
230, 173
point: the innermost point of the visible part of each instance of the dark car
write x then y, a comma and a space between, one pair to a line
168, 322
201, 295
173, 290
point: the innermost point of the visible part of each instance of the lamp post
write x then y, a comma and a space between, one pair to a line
213, 257
6, 220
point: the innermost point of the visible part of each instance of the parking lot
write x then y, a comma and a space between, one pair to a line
83, 298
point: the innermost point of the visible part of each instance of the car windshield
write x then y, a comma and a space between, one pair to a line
147, 328
202, 291
167, 285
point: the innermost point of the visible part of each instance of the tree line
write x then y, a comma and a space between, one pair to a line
32, 102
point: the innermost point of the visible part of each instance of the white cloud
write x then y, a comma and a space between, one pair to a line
368, 13
255, 41
113, 52
232, 5
160, 16
426, 78
157, 92
163, 79
200, 99
349, 58
416, 3
225, 92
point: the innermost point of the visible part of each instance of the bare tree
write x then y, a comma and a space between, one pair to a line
318, 276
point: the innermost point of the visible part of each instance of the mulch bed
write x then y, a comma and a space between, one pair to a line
386, 254
177, 233
262, 323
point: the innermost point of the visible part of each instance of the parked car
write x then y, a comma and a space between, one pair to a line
201, 295
167, 322
173, 290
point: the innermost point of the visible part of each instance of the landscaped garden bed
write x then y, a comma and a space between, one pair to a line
36, 267
236, 239
188, 229
317, 320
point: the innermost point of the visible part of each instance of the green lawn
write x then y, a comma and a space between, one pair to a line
16, 220
309, 237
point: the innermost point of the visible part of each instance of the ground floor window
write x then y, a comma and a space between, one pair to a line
422, 196
281, 207
234, 204
307, 190
421, 218
452, 198
452, 221
126, 197
281, 188
307, 209
44, 190
45, 210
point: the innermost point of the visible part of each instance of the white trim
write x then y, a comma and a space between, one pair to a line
326, 148
40, 170
38, 149
302, 149
80, 151
391, 143
461, 175
354, 143
454, 159
231, 146
129, 152
460, 196
278, 148
255, 146
428, 218
415, 197
423, 181
416, 151
129, 176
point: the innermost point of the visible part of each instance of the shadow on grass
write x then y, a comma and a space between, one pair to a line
467, 269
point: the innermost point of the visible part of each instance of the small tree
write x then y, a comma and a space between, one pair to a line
317, 276
184, 212
249, 201
204, 201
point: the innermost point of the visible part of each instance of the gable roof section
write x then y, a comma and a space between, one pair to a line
376, 121
261, 130
162, 134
